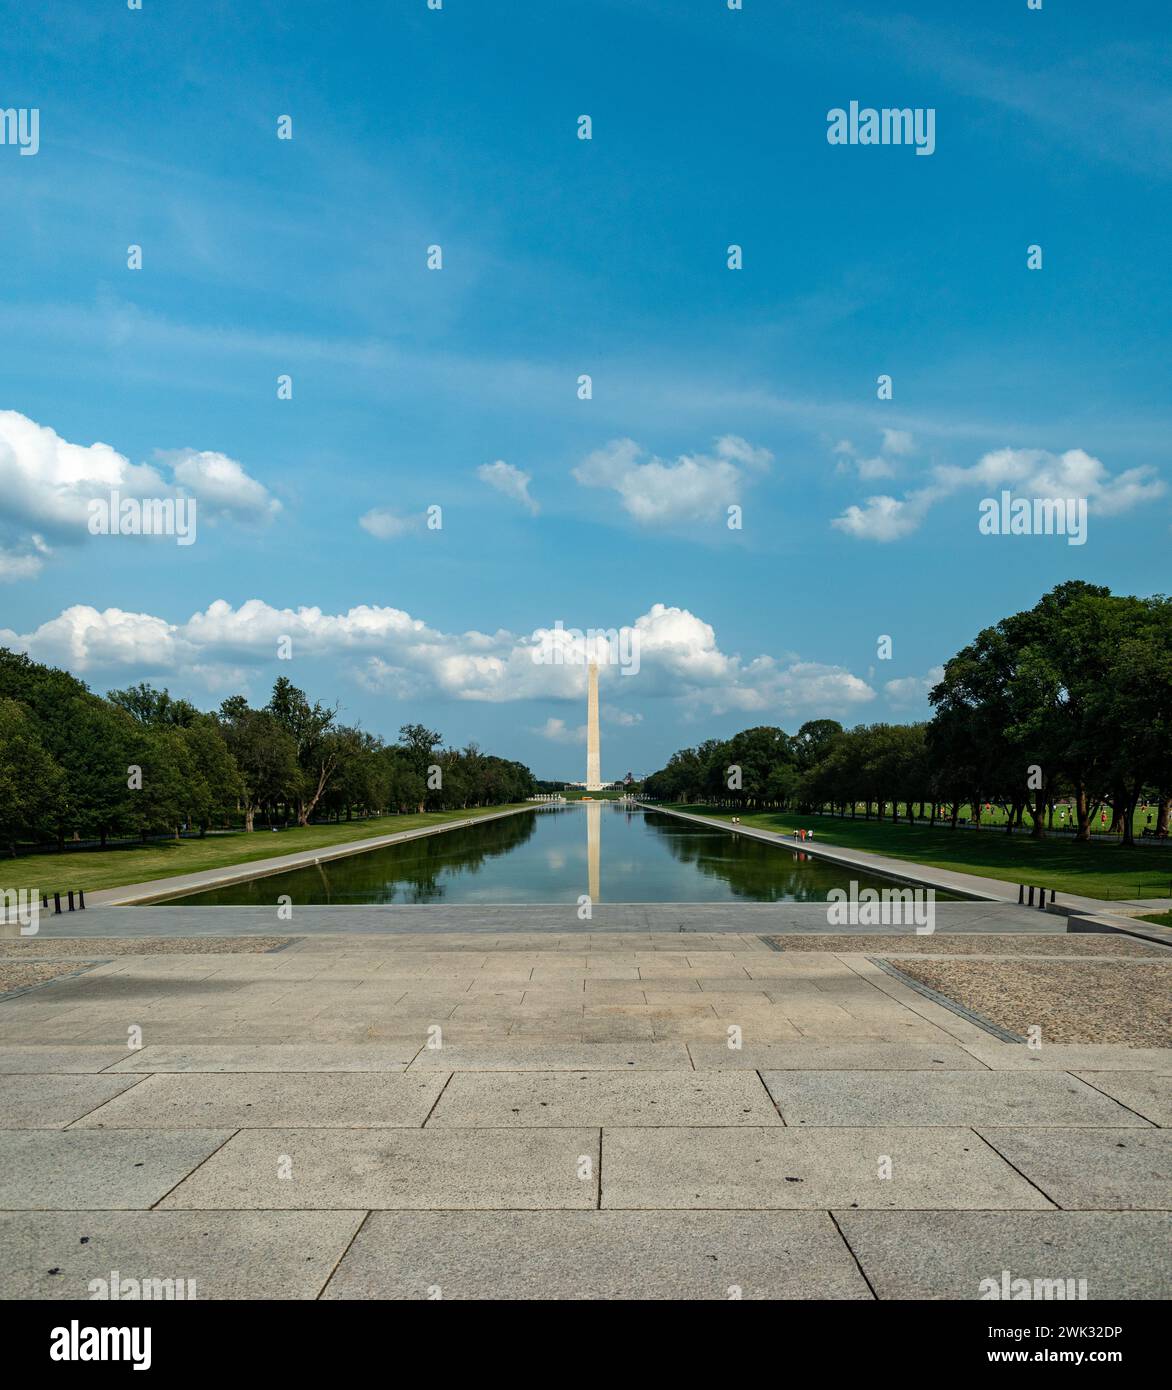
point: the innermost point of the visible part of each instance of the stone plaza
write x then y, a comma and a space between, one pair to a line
666, 1102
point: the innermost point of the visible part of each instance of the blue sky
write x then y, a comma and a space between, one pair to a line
711, 387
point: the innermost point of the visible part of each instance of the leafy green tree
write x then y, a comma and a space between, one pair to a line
418, 745
96, 749
170, 782
813, 742
153, 707
219, 786
265, 755
32, 786
309, 726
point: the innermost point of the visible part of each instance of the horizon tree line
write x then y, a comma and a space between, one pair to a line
75, 765
1068, 701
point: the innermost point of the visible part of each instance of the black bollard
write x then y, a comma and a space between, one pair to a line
1021, 892
1031, 897
71, 900
81, 898
1041, 900
57, 904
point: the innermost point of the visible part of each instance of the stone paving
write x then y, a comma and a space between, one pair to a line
559, 1114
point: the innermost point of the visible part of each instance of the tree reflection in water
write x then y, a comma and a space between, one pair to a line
614, 853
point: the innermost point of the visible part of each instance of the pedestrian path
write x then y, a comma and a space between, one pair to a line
1118, 915
537, 1114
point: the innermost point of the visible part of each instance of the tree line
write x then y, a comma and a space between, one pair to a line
74, 765
1070, 701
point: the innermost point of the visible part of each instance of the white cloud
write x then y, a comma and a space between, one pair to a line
46, 484
877, 467
222, 486
390, 651
884, 518
898, 442
895, 444
25, 560
913, 690
24, 566
1075, 473
386, 525
1024, 472
81, 638
811, 685
738, 450
696, 487
513, 482
557, 731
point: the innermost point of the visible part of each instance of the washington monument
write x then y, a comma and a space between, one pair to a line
593, 772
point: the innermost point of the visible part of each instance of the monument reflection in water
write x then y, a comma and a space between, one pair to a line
594, 850
554, 854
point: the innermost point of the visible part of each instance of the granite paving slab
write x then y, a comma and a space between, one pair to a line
1147, 1093
941, 1098
271, 1057
402, 1169
943, 1255
778, 1168
539, 1056
820, 1056
217, 1255
598, 1255
38, 1057
1073, 1057
52, 1100
1095, 1169
74, 1169
266, 1100
567, 1098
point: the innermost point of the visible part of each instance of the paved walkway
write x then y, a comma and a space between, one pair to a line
559, 1114
378, 919
1113, 915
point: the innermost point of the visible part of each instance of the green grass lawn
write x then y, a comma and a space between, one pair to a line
112, 868
1143, 817
1091, 870
1161, 919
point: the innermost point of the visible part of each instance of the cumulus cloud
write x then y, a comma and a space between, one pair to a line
513, 482
388, 650
894, 445
1075, 473
81, 638
885, 518
222, 486
696, 487
386, 525
47, 483
1024, 472
913, 690
557, 731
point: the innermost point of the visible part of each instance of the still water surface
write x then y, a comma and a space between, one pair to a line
554, 854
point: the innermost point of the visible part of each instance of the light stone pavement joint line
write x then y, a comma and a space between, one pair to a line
1116, 1169
1006, 1159
157, 1205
